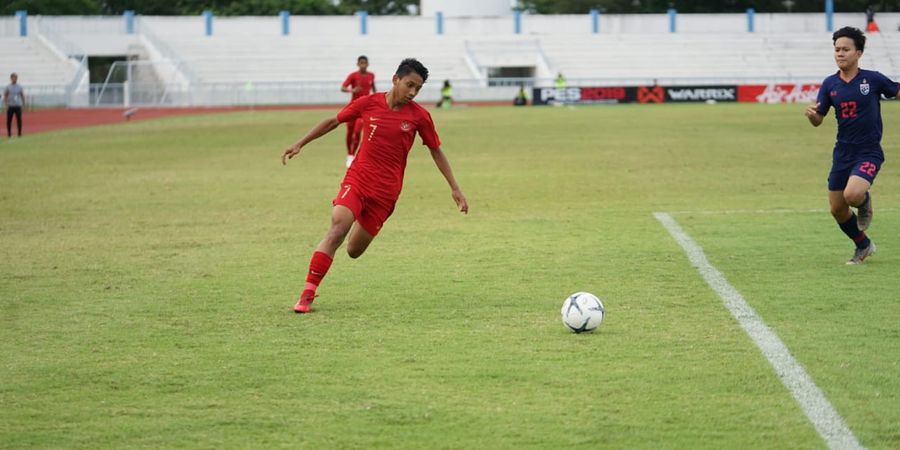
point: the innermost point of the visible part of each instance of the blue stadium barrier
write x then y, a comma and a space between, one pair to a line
750, 17
595, 21
23, 22
285, 22
207, 19
439, 19
363, 22
129, 21
829, 15
672, 23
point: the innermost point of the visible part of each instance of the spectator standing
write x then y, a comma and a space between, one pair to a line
14, 101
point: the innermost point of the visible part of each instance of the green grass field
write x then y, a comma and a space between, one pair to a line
149, 269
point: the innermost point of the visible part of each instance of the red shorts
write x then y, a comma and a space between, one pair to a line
370, 212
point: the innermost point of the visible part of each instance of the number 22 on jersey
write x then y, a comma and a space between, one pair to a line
848, 110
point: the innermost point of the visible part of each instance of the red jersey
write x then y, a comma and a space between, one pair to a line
364, 81
387, 138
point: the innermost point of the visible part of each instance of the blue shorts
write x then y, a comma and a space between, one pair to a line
845, 164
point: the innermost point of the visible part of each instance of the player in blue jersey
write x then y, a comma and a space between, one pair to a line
855, 94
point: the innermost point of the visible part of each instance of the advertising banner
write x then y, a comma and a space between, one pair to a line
755, 93
778, 93
651, 94
701, 94
583, 95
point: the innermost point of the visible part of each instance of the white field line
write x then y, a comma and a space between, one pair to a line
818, 409
723, 212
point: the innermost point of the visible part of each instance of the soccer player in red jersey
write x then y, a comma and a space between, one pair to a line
373, 182
360, 84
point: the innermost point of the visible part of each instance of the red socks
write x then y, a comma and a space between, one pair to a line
318, 267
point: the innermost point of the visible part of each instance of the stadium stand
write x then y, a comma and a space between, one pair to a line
249, 59
35, 62
611, 59
276, 59
727, 57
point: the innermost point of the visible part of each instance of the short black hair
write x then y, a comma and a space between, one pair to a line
859, 39
362, 57
410, 65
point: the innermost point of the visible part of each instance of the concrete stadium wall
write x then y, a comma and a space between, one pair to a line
467, 8
323, 26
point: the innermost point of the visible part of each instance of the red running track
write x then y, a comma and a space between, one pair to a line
55, 119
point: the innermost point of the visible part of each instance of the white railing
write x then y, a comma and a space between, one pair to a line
155, 44
143, 82
69, 52
250, 93
57, 43
47, 96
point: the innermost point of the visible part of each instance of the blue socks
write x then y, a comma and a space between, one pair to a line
851, 229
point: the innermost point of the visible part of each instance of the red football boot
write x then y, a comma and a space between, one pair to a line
304, 304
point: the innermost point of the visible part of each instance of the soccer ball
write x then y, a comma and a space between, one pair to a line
582, 312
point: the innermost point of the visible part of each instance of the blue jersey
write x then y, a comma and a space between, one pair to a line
857, 106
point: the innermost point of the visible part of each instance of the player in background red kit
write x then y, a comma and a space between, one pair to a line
373, 182
360, 84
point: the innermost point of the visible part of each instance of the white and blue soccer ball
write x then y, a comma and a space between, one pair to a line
582, 312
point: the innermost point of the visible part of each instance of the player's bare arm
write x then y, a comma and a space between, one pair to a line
322, 128
812, 113
440, 159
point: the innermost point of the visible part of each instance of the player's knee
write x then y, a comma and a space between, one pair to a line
355, 252
854, 197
